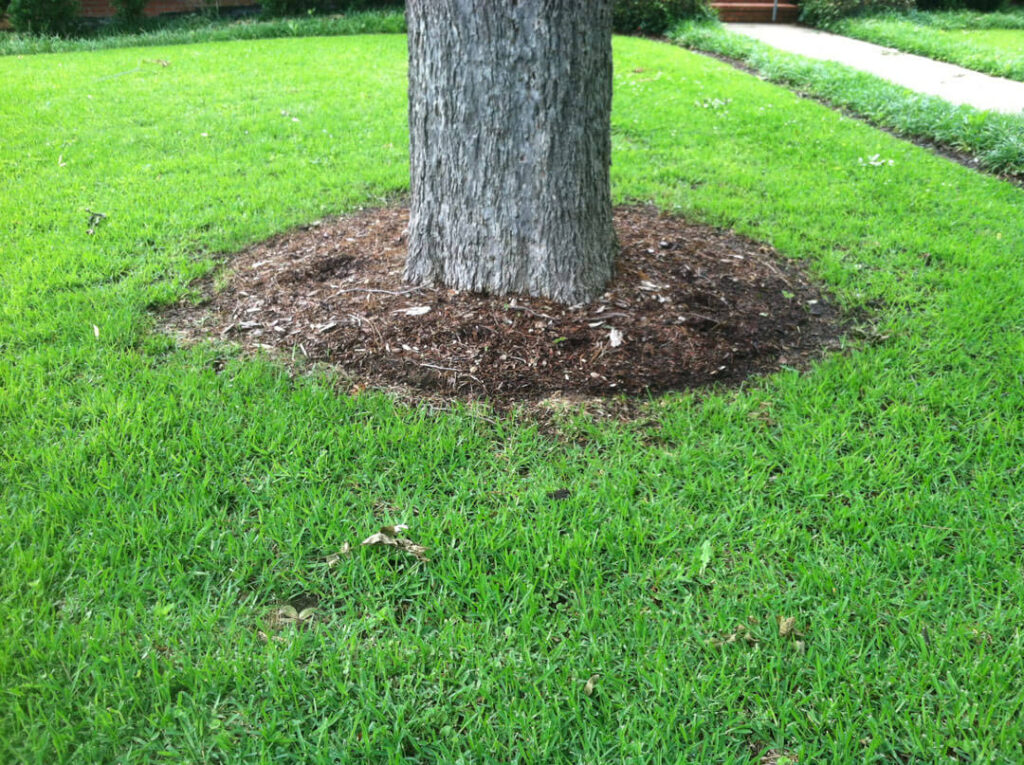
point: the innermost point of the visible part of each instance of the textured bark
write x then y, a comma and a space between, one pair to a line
509, 115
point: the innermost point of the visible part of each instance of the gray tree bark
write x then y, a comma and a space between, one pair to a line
510, 138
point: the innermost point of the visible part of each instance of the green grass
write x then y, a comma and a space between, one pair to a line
991, 50
1011, 18
159, 502
199, 28
995, 140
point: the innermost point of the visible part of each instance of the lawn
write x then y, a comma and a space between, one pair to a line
955, 38
984, 139
197, 28
162, 502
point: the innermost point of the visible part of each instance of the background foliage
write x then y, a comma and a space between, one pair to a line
44, 17
821, 13
656, 16
129, 11
652, 17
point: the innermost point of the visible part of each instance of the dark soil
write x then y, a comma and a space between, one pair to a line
688, 306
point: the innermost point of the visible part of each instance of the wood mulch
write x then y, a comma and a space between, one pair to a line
688, 306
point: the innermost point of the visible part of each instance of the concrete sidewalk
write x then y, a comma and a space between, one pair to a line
951, 83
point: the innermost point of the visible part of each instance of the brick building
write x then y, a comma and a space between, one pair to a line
100, 9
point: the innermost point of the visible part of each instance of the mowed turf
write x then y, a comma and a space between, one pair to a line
160, 503
995, 51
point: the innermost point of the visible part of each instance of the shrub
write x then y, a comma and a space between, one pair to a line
44, 17
304, 7
654, 17
293, 7
984, 5
955, 5
822, 13
129, 10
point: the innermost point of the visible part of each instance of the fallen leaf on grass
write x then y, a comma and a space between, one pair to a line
335, 558
285, 616
388, 535
591, 685
786, 625
742, 634
778, 757
290, 615
94, 220
705, 556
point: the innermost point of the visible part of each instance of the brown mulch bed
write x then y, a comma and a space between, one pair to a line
688, 306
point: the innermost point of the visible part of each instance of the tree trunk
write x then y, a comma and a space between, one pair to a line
510, 136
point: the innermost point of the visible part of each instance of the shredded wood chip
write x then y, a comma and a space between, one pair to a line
416, 310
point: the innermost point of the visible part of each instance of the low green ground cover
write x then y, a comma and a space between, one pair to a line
1011, 18
993, 50
160, 502
995, 140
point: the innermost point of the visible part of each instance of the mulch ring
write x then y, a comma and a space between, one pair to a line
688, 306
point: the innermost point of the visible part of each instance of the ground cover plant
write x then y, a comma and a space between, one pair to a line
822, 566
991, 141
1010, 18
955, 38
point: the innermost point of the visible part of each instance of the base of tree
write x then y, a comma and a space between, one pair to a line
688, 306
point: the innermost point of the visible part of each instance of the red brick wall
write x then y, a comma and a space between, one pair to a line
103, 8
